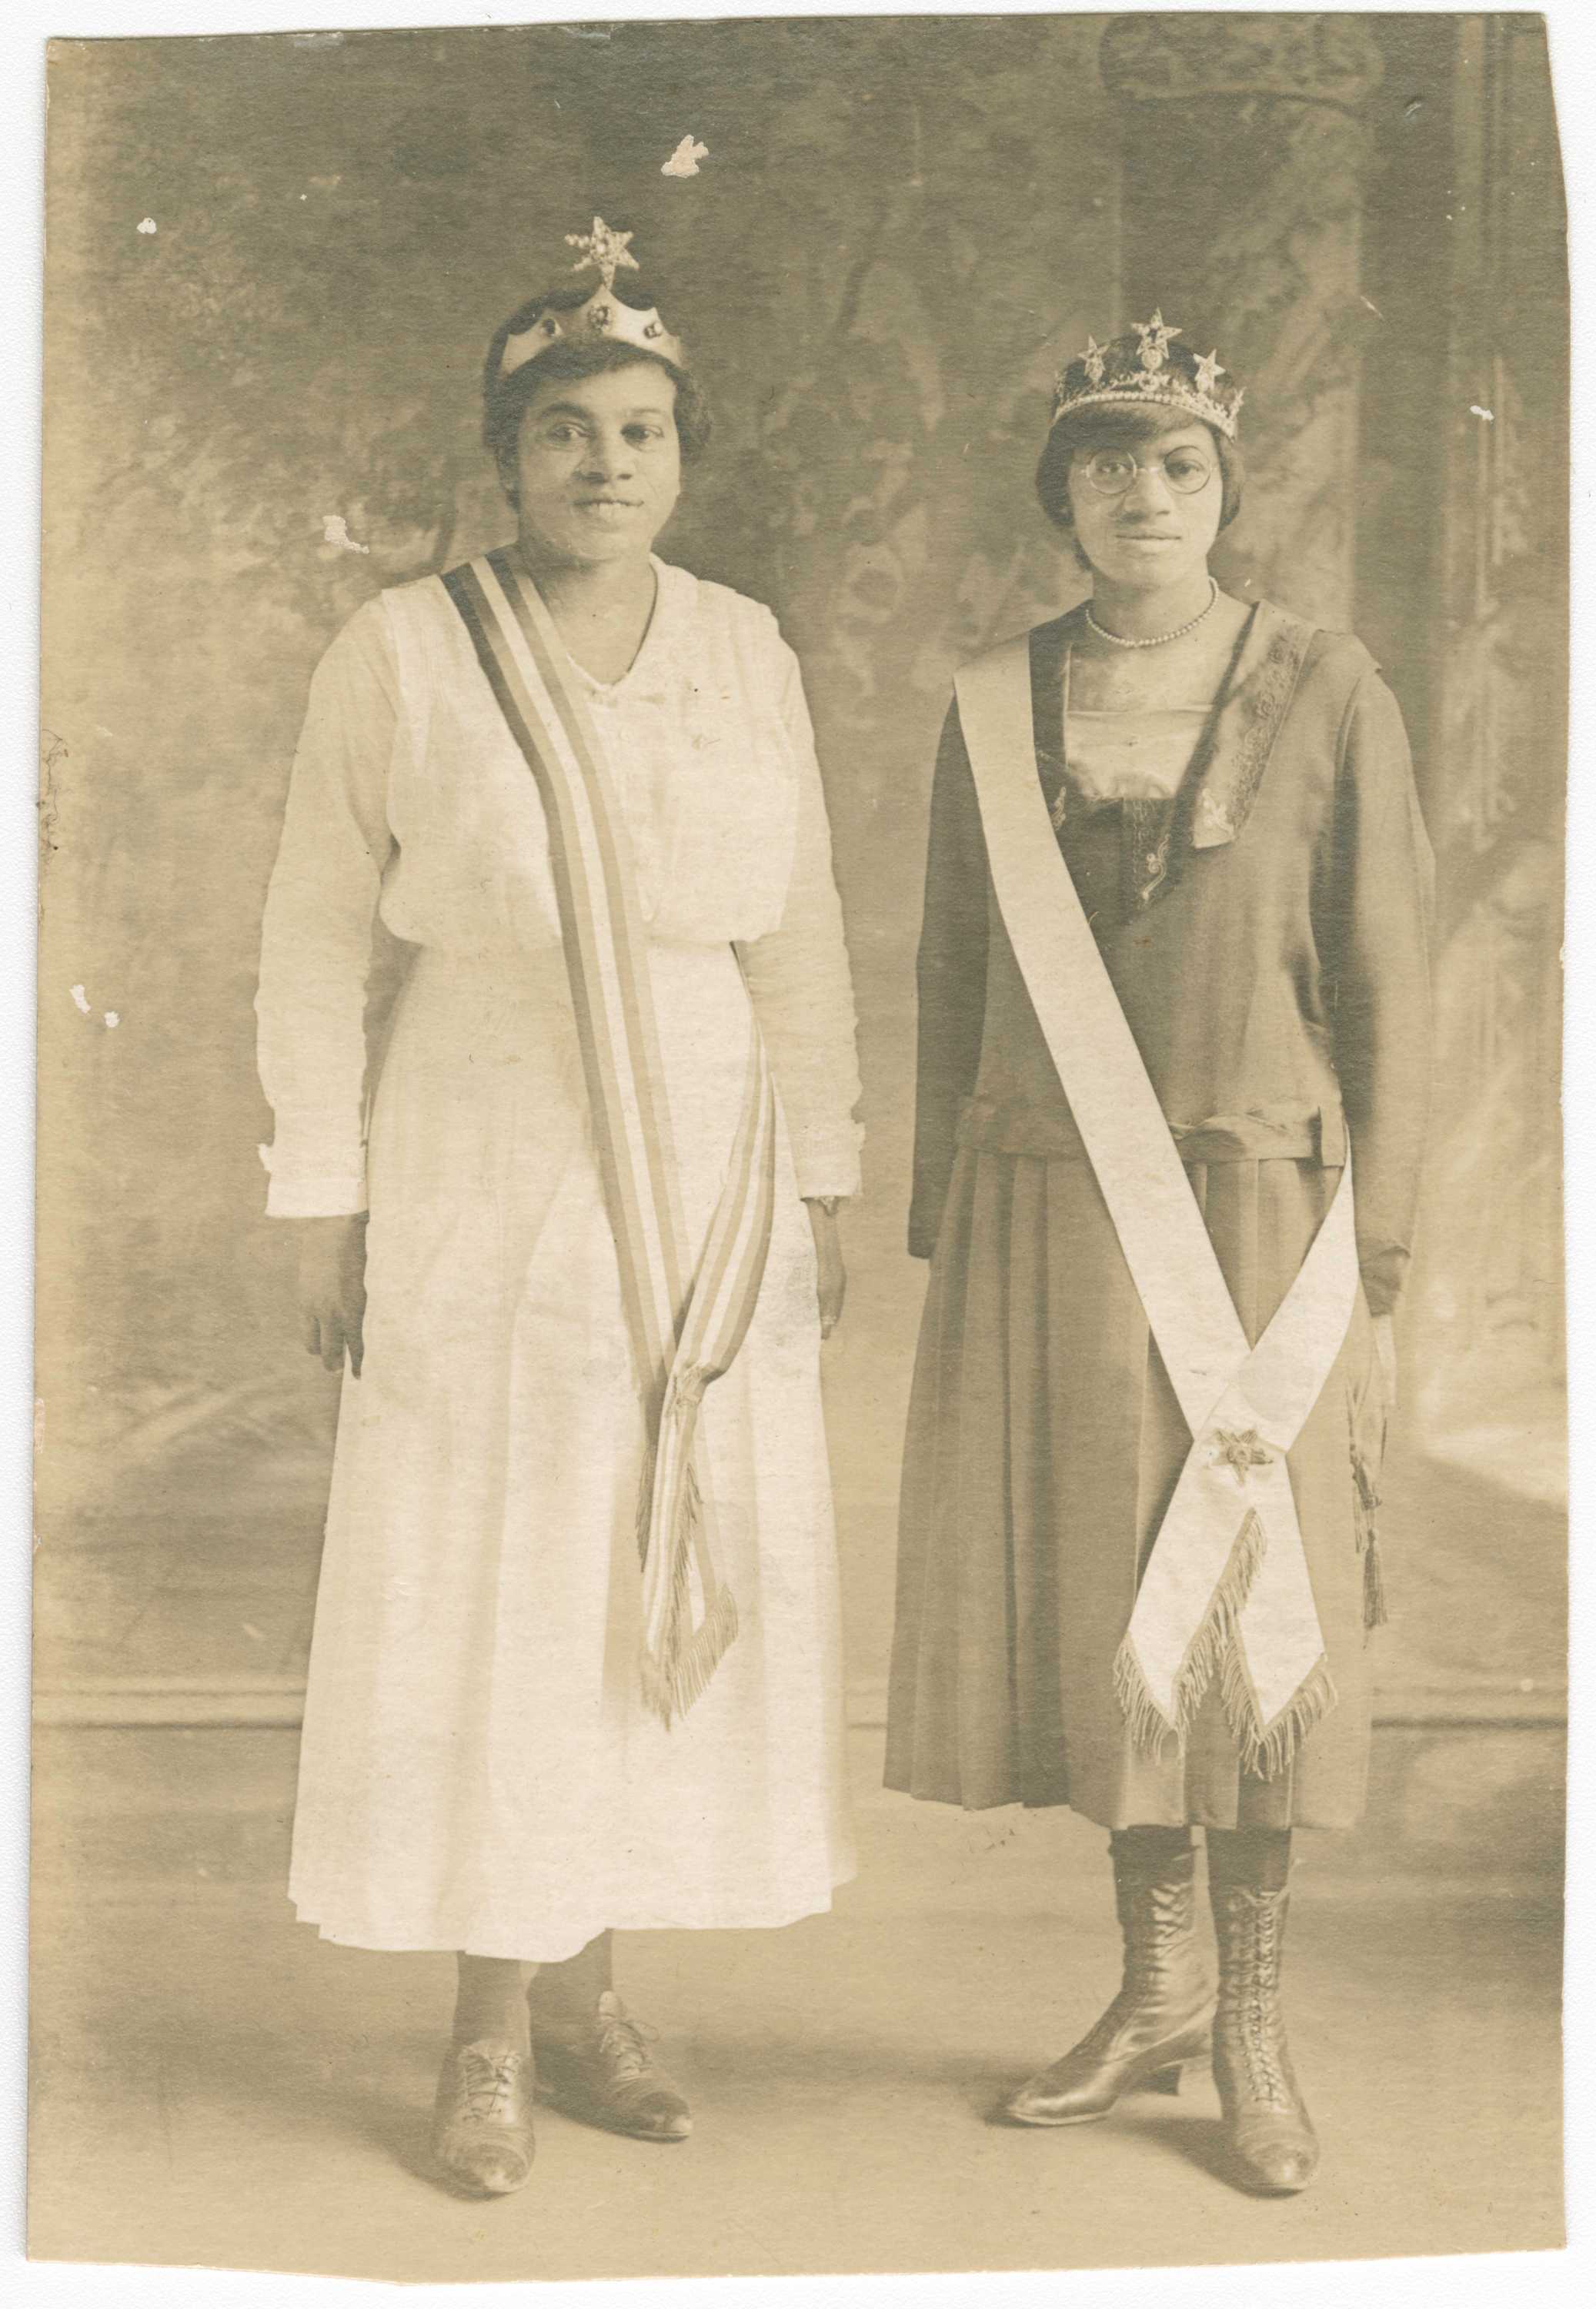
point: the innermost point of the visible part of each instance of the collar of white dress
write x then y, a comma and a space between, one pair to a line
647, 678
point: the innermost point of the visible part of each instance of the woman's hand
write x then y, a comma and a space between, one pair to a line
828, 1260
1385, 1348
333, 1288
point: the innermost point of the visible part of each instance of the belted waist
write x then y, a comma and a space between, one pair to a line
1289, 1132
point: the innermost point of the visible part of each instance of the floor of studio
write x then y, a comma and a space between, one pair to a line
214, 2085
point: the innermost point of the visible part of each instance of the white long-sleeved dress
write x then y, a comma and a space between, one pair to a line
478, 1770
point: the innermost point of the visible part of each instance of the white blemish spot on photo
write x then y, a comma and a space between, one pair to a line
148, 224
1489, 415
113, 1018
684, 161
335, 530
81, 999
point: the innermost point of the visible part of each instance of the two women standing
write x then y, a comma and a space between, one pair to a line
576, 1663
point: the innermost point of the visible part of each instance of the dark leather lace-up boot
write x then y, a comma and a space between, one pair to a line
1161, 2017
601, 2070
1271, 2141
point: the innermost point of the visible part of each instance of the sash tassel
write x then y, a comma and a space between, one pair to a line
1374, 1614
1367, 1503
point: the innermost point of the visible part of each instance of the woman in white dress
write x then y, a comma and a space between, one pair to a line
516, 1740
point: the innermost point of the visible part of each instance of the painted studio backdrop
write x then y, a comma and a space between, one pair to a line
275, 264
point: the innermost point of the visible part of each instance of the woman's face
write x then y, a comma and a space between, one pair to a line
1155, 533
598, 466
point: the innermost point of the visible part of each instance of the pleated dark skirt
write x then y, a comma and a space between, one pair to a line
1044, 1444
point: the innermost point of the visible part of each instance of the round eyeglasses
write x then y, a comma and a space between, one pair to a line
1112, 471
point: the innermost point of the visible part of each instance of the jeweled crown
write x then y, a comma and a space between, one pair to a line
1146, 365
604, 315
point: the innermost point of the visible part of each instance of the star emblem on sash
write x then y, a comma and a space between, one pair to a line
1240, 1449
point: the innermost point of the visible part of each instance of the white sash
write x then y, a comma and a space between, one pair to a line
1225, 1590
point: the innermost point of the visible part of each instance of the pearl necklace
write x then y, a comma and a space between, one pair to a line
1154, 641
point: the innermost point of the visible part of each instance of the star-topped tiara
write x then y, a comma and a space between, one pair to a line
1146, 365
604, 317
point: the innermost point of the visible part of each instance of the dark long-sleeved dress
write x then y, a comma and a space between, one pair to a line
1266, 933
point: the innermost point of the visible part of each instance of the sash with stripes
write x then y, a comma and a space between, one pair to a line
1226, 1591
686, 1320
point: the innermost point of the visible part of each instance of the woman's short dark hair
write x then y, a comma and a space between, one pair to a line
1106, 426
504, 400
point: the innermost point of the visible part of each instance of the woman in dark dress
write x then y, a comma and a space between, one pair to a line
1230, 791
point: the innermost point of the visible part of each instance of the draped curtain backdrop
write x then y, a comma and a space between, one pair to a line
274, 266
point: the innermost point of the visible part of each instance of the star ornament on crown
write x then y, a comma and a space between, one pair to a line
604, 317
1147, 364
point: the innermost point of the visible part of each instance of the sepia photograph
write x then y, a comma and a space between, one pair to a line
800, 1399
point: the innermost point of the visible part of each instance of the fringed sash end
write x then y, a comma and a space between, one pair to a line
1150, 1727
669, 1688
1215, 1641
677, 1659
1266, 1754
1216, 1650
1219, 1636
